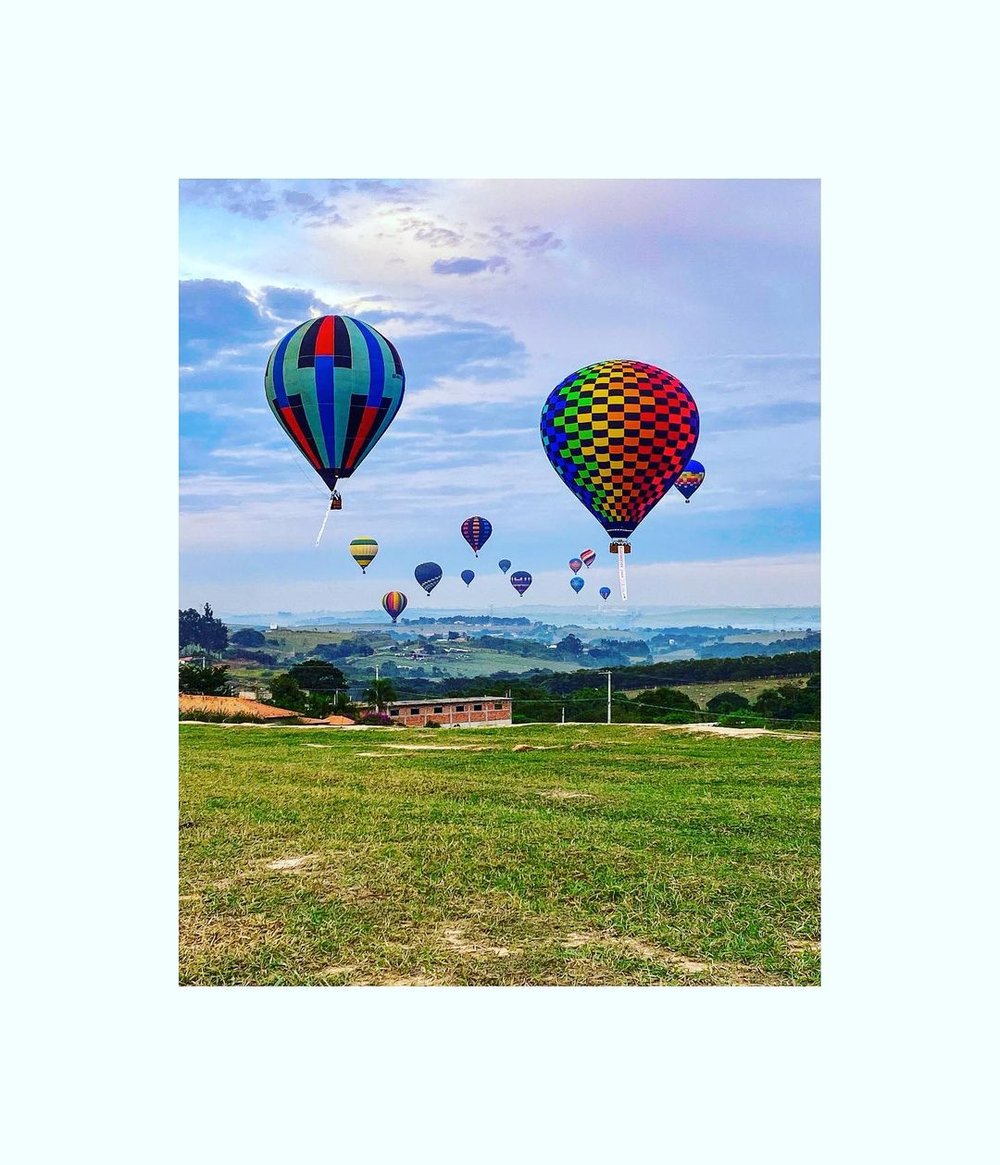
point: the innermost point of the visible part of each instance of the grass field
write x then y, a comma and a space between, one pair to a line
702, 693
603, 855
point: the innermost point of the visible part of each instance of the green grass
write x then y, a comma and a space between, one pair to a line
621, 855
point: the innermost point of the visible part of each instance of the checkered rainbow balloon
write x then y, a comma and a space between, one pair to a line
619, 433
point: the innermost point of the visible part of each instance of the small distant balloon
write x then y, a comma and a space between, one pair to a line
575, 564
576, 583
605, 593
394, 604
520, 580
504, 564
468, 576
690, 479
588, 557
428, 574
363, 551
476, 532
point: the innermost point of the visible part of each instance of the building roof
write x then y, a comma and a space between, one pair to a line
441, 700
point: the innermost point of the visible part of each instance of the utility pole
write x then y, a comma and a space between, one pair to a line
376, 673
608, 674
564, 714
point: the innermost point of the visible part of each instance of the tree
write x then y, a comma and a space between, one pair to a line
789, 702
286, 693
214, 633
316, 675
203, 681
570, 645
727, 702
380, 693
190, 628
248, 637
318, 704
202, 630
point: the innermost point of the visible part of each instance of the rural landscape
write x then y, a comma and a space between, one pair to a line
499, 630
677, 845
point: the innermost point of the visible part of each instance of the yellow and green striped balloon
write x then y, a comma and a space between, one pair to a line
363, 551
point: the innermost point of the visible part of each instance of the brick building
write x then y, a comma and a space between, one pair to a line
464, 712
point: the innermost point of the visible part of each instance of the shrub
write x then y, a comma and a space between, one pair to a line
380, 719
742, 720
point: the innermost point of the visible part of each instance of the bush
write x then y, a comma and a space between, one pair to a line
380, 719
742, 720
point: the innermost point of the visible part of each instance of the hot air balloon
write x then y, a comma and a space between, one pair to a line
588, 557
334, 384
576, 583
363, 551
520, 580
619, 433
476, 532
691, 477
504, 564
394, 604
605, 593
428, 574
575, 564
468, 576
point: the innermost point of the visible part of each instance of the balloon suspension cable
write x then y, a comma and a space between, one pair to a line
326, 517
621, 570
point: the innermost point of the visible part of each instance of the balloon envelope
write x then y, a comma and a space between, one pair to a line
476, 531
689, 480
576, 583
575, 564
334, 384
504, 564
605, 593
619, 433
428, 574
468, 576
363, 551
588, 558
520, 580
394, 604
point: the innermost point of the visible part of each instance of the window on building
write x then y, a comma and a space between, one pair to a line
414, 711
459, 707
477, 707
498, 707
439, 708
393, 711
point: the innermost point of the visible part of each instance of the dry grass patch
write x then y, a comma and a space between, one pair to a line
292, 863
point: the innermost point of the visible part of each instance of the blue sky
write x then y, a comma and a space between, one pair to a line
494, 291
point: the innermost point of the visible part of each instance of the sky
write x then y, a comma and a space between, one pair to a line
493, 292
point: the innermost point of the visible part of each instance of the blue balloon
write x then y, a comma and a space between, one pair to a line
520, 580
605, 593
428, 574
504, 564
576, 583
468, 576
